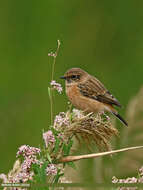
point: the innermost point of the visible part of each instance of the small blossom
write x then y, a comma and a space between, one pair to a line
22, 150
22, 177
4, 178
26, 150
51, 54
58, 120
30, 157
28, 162
51, 169
107, 117
61, 119
56, 86
48, 137
77, 113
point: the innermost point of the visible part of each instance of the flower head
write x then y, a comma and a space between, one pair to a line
51, 54
26, 150
56, 86
61, 119
51, 169
3, 177
48, 137
23, 172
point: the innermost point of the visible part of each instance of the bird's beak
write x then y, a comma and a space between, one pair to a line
62, 77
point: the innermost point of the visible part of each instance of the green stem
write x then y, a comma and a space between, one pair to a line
52, 78
51, 102
54, 62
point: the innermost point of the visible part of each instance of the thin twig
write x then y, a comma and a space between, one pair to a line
52, 78
75, 158
51, 105
55, 55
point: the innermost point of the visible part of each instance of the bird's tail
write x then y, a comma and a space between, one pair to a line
120, 118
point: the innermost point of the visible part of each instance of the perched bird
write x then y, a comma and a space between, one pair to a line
87, 93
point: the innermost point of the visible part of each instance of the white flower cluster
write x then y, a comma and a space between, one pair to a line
56, 86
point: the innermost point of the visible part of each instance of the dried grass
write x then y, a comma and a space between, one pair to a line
92, 129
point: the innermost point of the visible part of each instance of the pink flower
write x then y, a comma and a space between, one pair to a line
61, 119
26, 150
51, 54
55, 54
28, 162
51, 169
4, 178
56, 86
48, 137
30, 157
23, 177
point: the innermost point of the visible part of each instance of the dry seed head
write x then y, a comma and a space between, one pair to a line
90, 129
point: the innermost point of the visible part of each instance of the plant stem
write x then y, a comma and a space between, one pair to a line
54, 62
52, 78
95, 155
51, 103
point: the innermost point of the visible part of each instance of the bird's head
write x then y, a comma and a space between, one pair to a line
74, 75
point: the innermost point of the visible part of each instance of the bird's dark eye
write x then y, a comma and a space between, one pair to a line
75, 77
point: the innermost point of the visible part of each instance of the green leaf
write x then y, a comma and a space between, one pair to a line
55, 132
71, 164
65, 149
69, 146
35, 168
40, 173
49, 158
71, 117
56, 179
49, 91
37, 177
43, 172
56, 145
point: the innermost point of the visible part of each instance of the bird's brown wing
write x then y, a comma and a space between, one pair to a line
94, 89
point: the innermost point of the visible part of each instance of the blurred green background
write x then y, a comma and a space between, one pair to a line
104, 38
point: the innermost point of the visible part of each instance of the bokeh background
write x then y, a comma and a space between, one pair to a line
104, 38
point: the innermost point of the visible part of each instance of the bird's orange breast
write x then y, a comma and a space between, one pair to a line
82, 102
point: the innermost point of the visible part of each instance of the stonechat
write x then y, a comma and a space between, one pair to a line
87, 93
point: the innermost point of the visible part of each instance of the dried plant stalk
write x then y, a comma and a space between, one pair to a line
92, 129
76, 158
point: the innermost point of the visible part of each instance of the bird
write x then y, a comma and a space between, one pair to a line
87, 93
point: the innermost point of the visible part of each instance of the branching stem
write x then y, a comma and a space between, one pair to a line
52, 78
